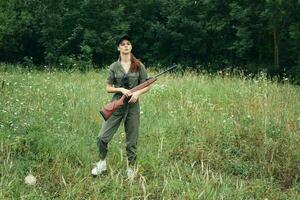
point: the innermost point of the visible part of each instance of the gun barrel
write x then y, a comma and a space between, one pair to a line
173, 67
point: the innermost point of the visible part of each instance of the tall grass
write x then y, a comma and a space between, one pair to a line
202, 137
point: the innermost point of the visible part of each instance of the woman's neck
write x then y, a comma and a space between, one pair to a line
125, 58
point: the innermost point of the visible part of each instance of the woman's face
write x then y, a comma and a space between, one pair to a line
125, 47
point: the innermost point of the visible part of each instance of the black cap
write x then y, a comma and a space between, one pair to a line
120, 38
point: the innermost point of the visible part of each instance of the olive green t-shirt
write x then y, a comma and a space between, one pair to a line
117, 73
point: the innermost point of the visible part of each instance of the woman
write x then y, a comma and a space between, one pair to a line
124, 74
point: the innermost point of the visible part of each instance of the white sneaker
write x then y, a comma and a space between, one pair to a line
130, 173
100, 168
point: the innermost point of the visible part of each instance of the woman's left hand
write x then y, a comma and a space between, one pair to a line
134, 97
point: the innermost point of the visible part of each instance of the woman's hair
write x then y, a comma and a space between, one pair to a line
135, 63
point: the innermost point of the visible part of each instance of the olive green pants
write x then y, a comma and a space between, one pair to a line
130, 114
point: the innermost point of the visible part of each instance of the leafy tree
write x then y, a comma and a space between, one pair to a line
20, 30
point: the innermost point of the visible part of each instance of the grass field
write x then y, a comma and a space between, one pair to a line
202, 137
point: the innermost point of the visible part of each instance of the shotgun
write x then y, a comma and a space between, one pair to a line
110, 108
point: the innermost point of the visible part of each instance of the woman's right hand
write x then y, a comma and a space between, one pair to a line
126, 92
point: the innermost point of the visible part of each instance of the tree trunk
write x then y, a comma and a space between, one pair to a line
276, 49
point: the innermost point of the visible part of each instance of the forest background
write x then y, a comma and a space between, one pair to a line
210, 35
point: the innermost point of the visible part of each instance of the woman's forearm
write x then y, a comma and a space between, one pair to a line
112, 89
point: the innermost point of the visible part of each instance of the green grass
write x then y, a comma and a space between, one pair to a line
202, 137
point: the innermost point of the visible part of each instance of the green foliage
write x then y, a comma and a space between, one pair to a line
213, 35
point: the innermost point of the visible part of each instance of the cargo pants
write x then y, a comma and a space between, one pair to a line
130, 115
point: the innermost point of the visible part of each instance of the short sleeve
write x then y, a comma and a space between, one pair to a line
110, 78
143, 74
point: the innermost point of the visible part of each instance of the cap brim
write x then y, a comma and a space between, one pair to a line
124, 37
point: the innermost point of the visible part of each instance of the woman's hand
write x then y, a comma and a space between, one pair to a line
126, 92
134, 97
